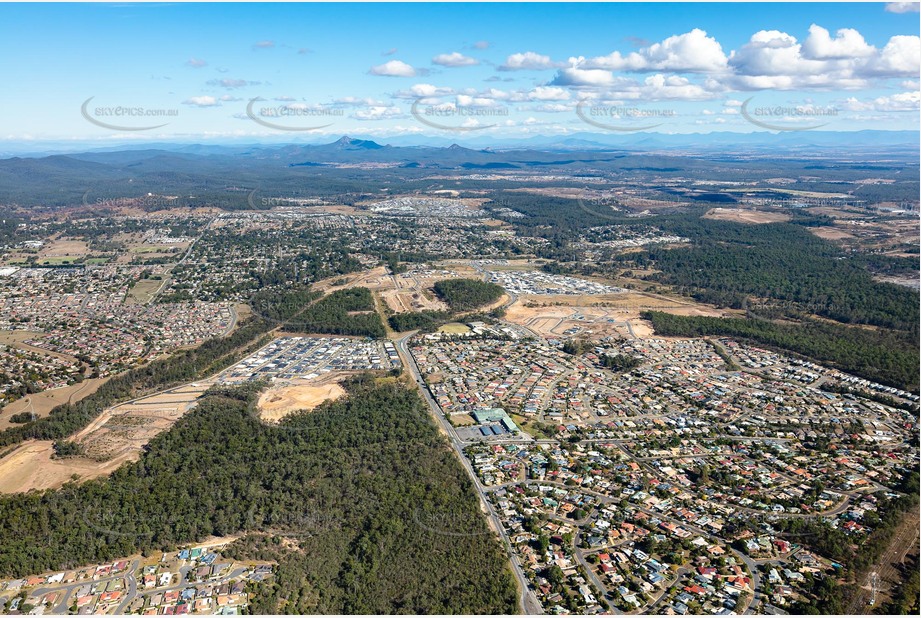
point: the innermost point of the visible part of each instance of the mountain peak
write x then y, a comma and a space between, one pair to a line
346, 141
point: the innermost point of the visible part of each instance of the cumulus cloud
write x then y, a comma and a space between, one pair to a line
900, 57
454, 59
902, 102
528, 61
378, 112
848, 43
358, 101
548, 93
902, 7
774, 59
552, 108
583, 77
393, 68
202, 101
423, 91
691, 52
196, 63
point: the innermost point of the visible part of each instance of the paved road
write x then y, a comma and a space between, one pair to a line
63, 604
131, 592
529, 603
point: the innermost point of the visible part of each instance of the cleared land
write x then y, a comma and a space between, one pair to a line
598, 316
62, 251
280, 401
30, 466
739, 215
144, 290
454, 328
118, 435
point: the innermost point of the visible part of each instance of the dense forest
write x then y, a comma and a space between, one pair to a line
467, 294
878, 355
344, 312
418, 320
733, 265
383, 517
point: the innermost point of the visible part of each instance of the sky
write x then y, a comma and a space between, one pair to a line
304, 72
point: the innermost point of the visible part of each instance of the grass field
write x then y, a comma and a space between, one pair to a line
454, 328
143, 291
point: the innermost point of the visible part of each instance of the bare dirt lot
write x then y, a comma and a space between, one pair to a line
118, 435
30, 466
280, 401
598, 316
831, 233
739, 215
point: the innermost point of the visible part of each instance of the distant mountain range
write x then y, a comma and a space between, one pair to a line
219, 173
640, 141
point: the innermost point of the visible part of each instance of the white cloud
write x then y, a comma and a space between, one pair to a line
583, 77
423, 91
548, 93
378, 112
691, 52
902, 102
528, 61
230, 84
552, 108
901, 56
202, 101
196, 63
848, 43
464, 100
393, 68
773, 59
454, 59
264, 45
902, 7
357, 101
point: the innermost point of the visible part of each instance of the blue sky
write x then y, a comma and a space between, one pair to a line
511, 70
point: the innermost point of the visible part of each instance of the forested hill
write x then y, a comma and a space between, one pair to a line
383, 517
